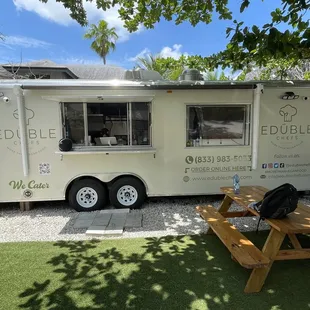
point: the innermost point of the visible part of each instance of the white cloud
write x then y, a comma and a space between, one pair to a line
52, 10
55, 12
142, 54
111, 17
174, 52
26, 42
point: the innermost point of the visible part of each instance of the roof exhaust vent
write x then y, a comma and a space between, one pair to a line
142, 75
191, 75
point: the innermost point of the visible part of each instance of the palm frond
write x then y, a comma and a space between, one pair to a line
147, 62
174, 74
111, 45
212, 76
94, 45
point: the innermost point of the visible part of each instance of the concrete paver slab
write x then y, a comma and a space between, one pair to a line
95, 230
115, 232
87, 215
117, 221
134, 220
102, 219
115, 211
82, 223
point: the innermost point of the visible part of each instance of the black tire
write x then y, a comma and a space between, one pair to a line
131, 183
96, 187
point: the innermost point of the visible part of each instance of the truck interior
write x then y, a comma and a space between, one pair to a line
108, 124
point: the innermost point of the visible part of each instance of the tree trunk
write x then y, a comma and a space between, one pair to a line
104, 55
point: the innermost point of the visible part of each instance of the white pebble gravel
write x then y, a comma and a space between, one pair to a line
51, 221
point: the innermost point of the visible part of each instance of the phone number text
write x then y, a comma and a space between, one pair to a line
222, 159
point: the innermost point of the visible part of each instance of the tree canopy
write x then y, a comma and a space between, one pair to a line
169, 68
279, 69
246, 44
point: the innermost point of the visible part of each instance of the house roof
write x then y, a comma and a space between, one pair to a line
4, 74
97, 72
45, 63
77, 71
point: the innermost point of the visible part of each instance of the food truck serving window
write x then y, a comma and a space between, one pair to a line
108, 124
218, 125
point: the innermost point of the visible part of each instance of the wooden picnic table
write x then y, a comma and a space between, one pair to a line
242, 249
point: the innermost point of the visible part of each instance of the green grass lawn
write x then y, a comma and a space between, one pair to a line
166, 273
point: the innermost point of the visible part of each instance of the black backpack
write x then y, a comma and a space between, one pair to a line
278, 202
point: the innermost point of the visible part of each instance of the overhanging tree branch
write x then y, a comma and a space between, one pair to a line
246, 44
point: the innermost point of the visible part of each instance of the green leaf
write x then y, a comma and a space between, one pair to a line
244, 5
303, 25
255, 29
245, 30
228, 30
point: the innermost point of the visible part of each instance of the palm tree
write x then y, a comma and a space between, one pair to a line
168, 68
211, 76
104, 39
215, 76
150, 62
175, 73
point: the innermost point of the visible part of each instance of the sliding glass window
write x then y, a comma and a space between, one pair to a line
108, 124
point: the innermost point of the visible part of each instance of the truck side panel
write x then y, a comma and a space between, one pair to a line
175, 168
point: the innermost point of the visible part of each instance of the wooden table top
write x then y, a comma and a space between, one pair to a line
295, 222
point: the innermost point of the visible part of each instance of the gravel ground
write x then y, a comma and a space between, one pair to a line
51, 221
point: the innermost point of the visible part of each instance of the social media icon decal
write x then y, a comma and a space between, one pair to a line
273, 165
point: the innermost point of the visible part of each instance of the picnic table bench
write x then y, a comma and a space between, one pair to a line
243, 250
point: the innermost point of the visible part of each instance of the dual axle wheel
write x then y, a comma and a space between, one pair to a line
90, 194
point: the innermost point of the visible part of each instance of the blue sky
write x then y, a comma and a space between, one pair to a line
45, 31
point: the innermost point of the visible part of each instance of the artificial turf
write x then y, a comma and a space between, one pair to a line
184, 272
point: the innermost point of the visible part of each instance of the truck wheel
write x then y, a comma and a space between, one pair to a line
87, 195
127, 192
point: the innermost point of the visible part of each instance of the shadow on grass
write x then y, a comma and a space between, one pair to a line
161, 273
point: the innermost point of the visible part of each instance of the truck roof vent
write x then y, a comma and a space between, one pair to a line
142, 75
191, 75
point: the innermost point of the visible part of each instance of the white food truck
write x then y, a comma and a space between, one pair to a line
119, 141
